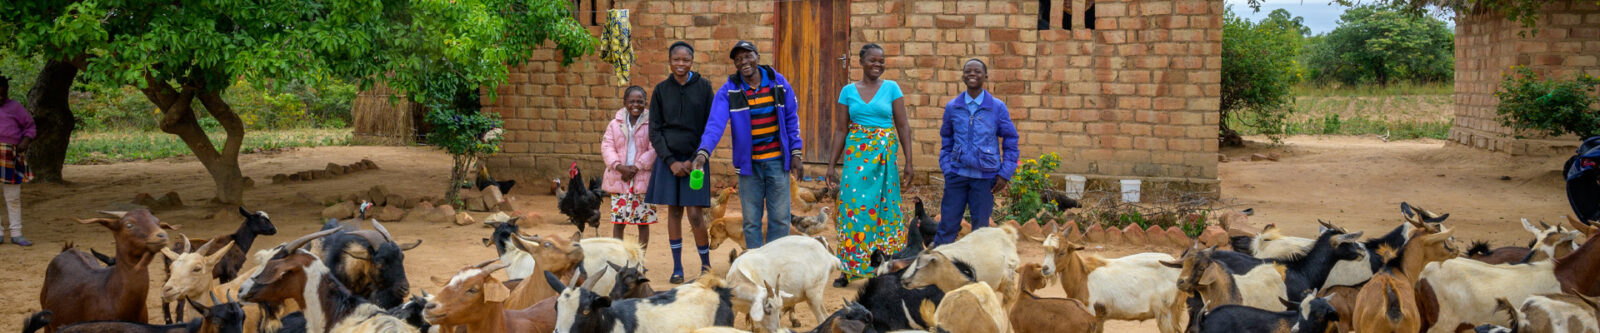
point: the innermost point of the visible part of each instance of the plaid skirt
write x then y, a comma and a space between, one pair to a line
13, 167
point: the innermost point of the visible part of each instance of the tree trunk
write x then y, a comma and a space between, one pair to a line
178, 118
47, 101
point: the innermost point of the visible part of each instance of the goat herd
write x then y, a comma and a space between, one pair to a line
348, 278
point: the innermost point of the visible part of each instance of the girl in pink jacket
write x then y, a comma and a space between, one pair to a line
629, 157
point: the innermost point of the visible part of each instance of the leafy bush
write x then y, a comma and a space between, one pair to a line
460, 133
1258, 69
1529, 103
1023, 202
259, 106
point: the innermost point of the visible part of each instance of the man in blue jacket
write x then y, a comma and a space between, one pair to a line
766, 141
977, 152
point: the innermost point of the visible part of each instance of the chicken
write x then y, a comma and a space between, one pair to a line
581, 204
812, 225
1063, 202
926, 226
484, 180
555, 187
796, 201
719, 204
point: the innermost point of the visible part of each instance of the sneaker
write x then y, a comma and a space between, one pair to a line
21, 241
676, 279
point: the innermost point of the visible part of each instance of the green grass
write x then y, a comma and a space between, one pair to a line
1397, 89
1400, 116
116, 146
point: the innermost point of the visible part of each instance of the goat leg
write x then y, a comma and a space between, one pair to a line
180, 312
166, 312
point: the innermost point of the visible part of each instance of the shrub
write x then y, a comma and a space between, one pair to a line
460, 132
1529, 103
1258, 69
1023, 202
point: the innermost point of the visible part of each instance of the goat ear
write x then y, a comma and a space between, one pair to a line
1529, 226
555, 283
487, 242
1210, 276
494, 291
216, 257
409, 247
106, 222
576, 236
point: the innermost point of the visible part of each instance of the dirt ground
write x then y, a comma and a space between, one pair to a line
1357, 182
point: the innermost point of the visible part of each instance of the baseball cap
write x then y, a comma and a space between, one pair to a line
742, 45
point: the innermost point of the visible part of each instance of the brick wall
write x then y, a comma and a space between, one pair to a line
1137, 97
1488, 45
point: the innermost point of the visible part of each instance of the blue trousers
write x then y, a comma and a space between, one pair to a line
767, 187
960, 195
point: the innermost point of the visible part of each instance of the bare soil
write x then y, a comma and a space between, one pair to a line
1356, 182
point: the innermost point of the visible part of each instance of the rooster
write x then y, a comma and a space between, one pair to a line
927, 227
484, 180
581, 204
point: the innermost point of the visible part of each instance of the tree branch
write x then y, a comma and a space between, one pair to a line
231, 124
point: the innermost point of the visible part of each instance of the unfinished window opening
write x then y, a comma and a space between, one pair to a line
1088, 15
591, 12
1044, 14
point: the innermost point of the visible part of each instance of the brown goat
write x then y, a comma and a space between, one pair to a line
1388, 302
554, 255
78, 288
1047, 315
1558, 313
475, 298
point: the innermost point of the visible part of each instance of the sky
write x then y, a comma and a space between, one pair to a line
1320, 15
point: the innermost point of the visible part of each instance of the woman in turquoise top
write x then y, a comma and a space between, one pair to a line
869, 192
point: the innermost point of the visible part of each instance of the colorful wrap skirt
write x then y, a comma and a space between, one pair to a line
13, 166
869, 199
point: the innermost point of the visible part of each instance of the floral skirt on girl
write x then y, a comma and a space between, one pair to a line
630, 209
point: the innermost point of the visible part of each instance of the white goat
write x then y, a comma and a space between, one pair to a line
799, 268
600, 251
1135, 287
990, 252
1466, 289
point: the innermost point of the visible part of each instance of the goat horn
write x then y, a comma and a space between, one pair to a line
186, 247
298, 242
485, 263
496, 267
357, 256
214, 298
589, 282
382, 231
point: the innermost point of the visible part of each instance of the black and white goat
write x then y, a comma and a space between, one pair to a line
703, 303
299, 275
1313, 314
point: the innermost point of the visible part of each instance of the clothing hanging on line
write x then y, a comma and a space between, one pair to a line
616, 47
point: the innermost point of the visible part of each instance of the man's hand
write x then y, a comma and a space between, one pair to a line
628, 172
797, 168
699, 162
1000, 185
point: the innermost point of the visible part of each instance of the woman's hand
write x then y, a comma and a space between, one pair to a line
628, 172
832, 176
680, 169
907, 174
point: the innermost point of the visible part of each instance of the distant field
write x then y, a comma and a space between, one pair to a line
1401, 111
106, 147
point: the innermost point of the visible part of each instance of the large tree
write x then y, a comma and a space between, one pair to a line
1384, 44
1257, 71
184, 54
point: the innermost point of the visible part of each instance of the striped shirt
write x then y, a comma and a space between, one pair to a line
764, 144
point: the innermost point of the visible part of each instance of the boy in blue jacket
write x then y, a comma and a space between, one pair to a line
766, 141
977, 152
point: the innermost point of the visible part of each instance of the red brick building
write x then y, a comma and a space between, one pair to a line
1121, 89
1488, 45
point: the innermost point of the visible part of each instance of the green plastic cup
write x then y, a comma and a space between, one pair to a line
697, 179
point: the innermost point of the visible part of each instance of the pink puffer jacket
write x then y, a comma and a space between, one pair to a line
614, 147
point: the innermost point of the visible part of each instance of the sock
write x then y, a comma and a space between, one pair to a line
677, 256
705, 256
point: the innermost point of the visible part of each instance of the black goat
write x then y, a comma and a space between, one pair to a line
1311, 315
373, 271
1311, 270
853, 318
893, 307
411, 312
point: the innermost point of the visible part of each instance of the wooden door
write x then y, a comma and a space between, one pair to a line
812, 42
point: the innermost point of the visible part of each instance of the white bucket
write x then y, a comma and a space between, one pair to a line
1130, 190
1075, 186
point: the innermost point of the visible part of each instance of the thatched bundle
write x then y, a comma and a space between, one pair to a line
380, 119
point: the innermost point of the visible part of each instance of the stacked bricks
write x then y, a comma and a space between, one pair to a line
1137, 97
1567, 42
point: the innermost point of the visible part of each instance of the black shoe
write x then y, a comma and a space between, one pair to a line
676, 279
842, 281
